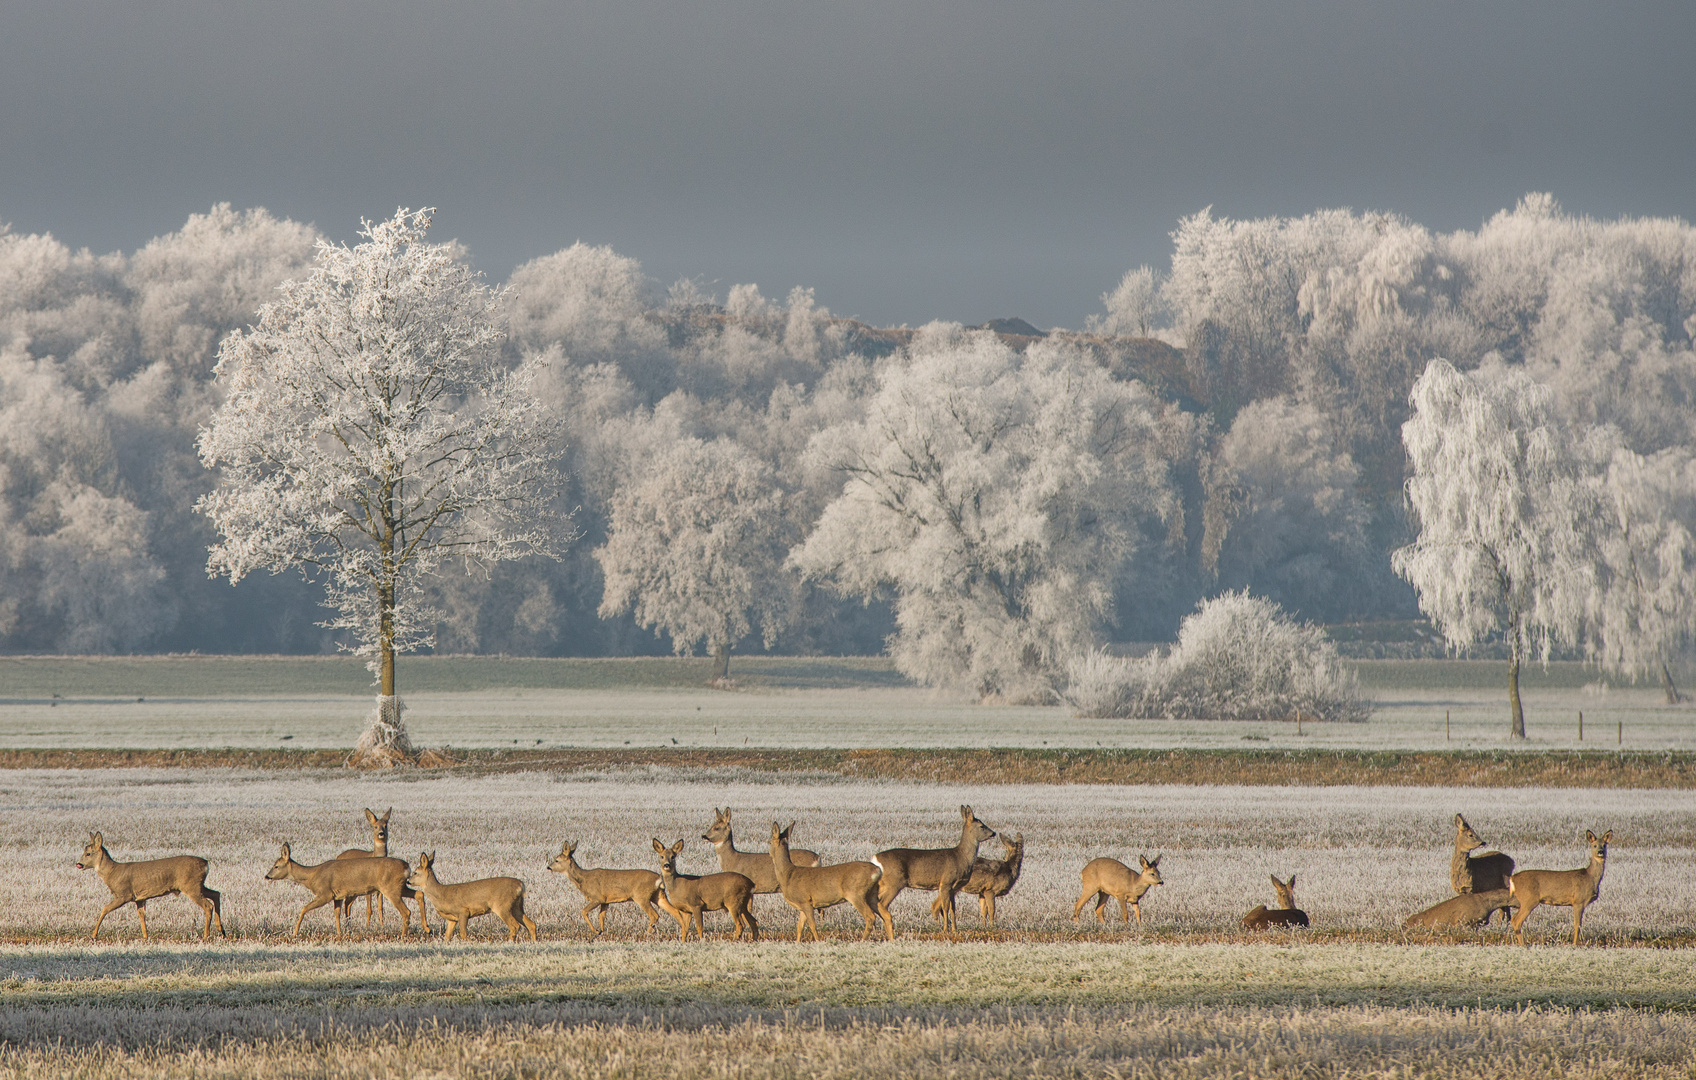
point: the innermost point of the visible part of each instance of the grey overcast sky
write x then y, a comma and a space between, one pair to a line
961, 159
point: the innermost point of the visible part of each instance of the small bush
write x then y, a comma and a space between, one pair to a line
1239, 657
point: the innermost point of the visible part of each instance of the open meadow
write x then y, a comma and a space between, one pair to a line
1189, 994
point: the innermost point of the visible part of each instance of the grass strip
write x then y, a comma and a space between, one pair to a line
1324, 768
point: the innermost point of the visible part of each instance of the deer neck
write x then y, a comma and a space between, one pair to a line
104, 864
781, 864
1457, 867
379, 847
968, 848
573, 872
1598, 863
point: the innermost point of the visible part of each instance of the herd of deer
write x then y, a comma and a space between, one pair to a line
1485, 884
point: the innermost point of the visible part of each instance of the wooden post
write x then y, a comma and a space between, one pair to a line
1621, 739
1580, 725
1445, 725
1298, 719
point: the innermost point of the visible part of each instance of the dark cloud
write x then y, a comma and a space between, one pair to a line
909, 159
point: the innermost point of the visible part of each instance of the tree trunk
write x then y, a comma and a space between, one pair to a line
385, 743
1517, 730
721, 659
1673, 696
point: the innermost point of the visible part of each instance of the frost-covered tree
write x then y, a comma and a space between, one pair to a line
1134, 307
369, 431
999, 497
695, 547
1282, 511
1502, 508
1644, 607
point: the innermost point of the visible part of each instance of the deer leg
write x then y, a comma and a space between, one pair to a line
105, 911
1078, 907
1136, 906
315, 902
753, 923
141, 913
1525, 910
1577, 921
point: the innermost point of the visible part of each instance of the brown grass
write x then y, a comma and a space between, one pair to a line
1325, 768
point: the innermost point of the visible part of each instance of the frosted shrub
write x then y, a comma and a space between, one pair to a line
1239, 657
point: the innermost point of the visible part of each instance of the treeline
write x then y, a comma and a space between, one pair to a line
1231, 422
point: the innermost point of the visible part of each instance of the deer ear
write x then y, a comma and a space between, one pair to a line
1292, 883
1276, 884
966, 812
285, 851
677, 848
1460, 822
1589, 836
369, 816
659, 847
1609, 835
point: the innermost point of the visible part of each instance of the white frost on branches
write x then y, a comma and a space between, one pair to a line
1498, 491
998, 496
695, 546
1238, 657
370, 430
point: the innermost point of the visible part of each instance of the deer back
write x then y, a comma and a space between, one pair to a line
754, 865
1484, 873
1564, 888
146, 878
931, 868
1116, 879
819, 886
1466, 910
600, 886
711, 892
466, 898
379, 837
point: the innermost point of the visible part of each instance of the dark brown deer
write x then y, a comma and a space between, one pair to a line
992, 878
753, 865
345, 879
459, 904
1285, 914
604, 888
138, 882
808, 888
1476, 874
1105, 877
1576, 889
942, 869
693, 895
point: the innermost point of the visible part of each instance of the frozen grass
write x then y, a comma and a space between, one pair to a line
1146, 1042
785, 703
1366, 857
1190, 996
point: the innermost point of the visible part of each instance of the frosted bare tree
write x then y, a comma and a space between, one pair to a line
369, 431
999, 496
695, 546
1134, 308
1644, 611
1502, 510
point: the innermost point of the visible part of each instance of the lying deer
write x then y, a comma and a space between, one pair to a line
808, 888
692, 895
995, 877
345, 879
942, 869
1109, 877
459, 904
604, 888
1483, 873
753, 865
1576, 889
1460, 912
138, 882
1285, 914
380, 849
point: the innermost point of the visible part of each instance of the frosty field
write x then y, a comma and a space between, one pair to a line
1191, 992
1189, 995
254, 702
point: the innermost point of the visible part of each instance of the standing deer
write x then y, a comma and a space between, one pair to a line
942, 869
1483, 873
344, 879
808, 888
996, 877
604, 888
138, 882
1576, 889
1285, 914
1109, 877
691, 895
459, 904
753, 865
380, 849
